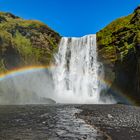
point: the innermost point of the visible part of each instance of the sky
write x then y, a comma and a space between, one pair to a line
71, 18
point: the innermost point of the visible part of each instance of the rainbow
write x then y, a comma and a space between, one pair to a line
30, 69
22, 70
116, 90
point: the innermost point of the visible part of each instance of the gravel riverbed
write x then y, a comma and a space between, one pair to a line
43, 122
69, 122
120, 122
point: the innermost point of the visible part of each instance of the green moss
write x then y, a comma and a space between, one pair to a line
5, 41
137, 38
23, 45
121, 35
2, 66
30, 42
119, 51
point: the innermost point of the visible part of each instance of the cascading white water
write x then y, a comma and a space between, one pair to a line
76, 72
74, 79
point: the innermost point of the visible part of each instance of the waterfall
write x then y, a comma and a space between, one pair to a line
77, 70
74, 79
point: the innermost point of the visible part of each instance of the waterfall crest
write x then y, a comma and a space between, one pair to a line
76, 72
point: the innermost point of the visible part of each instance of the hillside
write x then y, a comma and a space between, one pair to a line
25, 42
119, 50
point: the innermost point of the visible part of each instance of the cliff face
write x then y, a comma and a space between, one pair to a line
119, 50
25, 42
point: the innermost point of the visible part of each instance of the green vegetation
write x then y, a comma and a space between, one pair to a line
118, 38
137, 39
25, 42
119, 51
24, 46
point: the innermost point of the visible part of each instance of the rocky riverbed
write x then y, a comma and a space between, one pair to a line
44, 122
69, 122
120, 122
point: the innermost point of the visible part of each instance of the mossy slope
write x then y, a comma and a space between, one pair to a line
25, 42
119, 50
